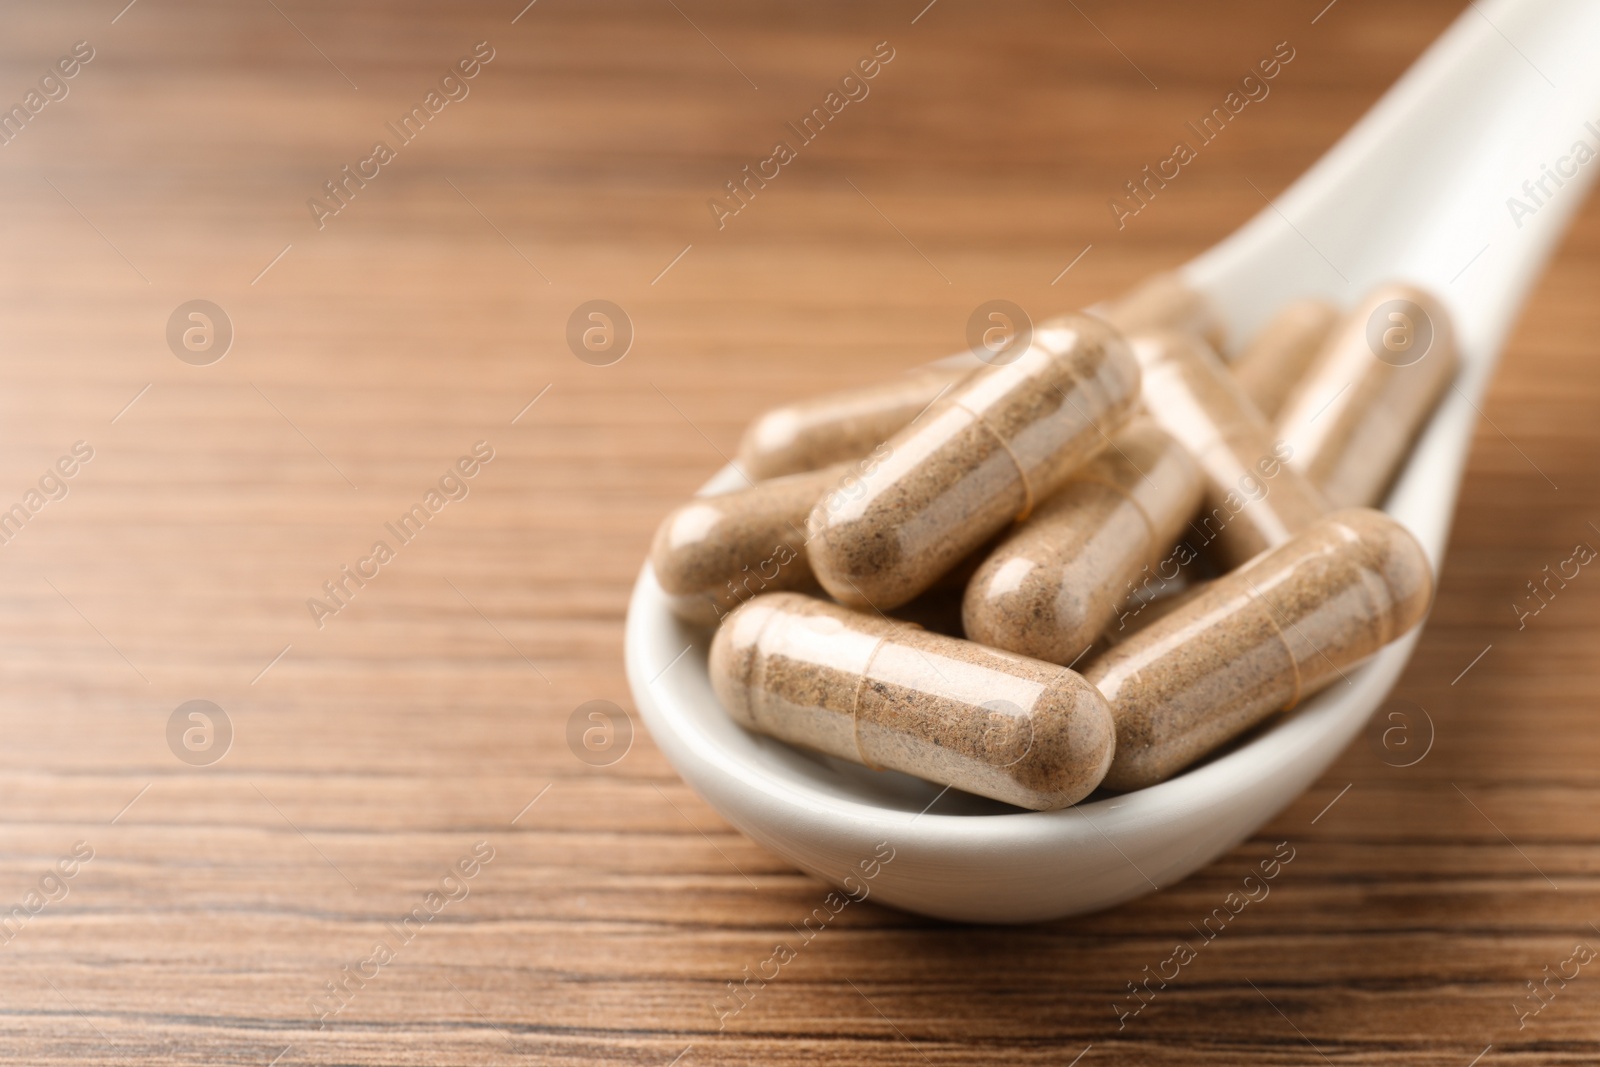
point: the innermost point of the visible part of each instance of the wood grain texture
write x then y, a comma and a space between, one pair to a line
427, 714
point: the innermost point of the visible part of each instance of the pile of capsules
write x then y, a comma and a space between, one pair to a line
1086, 565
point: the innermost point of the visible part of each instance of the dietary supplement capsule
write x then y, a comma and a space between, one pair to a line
1276, 360
1253, 500
889, 695
1051, 587
1353, 418
1258, 640
839, 426
985, 454
715, 552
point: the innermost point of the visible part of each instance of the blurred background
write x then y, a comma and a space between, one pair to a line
242, 864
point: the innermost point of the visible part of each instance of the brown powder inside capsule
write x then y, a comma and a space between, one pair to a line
983, 456
1055, 583
890, 695
1259, 640
915, 541
714, 553
1353, 417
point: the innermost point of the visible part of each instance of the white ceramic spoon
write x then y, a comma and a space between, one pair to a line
1416, 191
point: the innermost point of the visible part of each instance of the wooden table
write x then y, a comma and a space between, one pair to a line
375, 746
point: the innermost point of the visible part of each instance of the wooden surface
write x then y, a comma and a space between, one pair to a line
426, 715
